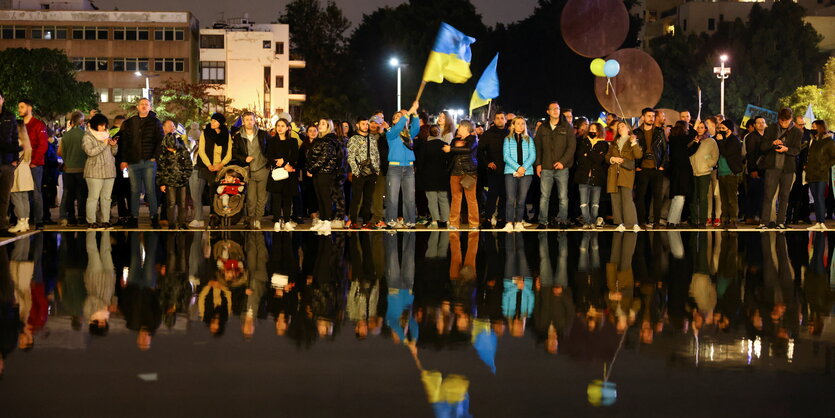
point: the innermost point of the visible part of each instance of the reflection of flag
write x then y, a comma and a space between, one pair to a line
809, 116
450, 57
488, 86
485, 343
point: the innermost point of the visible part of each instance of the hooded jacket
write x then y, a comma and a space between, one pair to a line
730, 148
174, 168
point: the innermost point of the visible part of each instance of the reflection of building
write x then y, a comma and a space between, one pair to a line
693, 17
107, 47
250, 63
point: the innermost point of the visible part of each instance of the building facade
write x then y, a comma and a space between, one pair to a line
117, 51
250, 64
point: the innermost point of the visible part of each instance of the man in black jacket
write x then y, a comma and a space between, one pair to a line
491, 156
249, 149
729, 168
779, 147
139, 146
649, 170
555, 146
9, 153
754, 191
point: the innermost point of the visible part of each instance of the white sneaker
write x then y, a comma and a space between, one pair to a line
325, 228
432, 225
526, 224
317, 225
315, 221
636, 228
337, 224
195, 224
599, 222
822, 226
519, 227
291, 224
508, 227
256, 224
277, 226
620, 228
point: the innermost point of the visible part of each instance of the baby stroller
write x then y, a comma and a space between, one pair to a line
228, 196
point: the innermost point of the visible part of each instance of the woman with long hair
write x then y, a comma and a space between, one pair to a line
704, 156
445, 123
621, 177
23, 181
519, 155
214, 151
308, 194
821, 158
282, 152
681, 172
323, 166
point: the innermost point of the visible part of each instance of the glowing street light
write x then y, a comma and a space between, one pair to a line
722, 73
394, 62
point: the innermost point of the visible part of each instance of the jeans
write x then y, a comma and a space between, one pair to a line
775, 178
548, 178
698, 205
728, 187
676, 206
496, 195
589, 195
196, 184
455, 208
819, 193
99, 193
623, 207
400, 271
754, 197
143, 173
6, 182
646, 180
175, 199
516, 189
401, 178
438, 205
75, 191
37, 196
256, 194
362, 194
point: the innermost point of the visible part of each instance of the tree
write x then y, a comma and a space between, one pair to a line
771, 53
822, 98
47, 78
184, 102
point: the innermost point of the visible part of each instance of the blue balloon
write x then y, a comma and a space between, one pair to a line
611, 68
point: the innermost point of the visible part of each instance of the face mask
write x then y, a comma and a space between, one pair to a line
592, 135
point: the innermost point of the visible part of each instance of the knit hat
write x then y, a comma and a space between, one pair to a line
728, 124
219, 118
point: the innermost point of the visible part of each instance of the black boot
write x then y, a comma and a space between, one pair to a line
155, 222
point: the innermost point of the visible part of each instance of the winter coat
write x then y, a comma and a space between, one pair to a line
101, 158
71, 150
590, 162
555, 145
173, 168
491, 148
752, 151
658, 148
360, 148
287, 150
510, 151
464, 159
432, 174
23, 180
784, 161
9, 145
39, 141
323, 156
730, 149
213, 148
240, 147
622, 175
680, 171
704, 156
146, 145
821, 158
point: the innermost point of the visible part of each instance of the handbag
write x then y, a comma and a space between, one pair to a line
279, 173
468, 181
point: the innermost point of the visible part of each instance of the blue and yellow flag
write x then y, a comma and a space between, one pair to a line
450, 57
487, 88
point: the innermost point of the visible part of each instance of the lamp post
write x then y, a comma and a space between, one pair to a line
146, 93
722, 73
394, 62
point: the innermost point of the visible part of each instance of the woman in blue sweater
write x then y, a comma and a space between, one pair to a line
519, 155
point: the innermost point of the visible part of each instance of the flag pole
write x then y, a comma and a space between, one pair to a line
489, 109
420, 91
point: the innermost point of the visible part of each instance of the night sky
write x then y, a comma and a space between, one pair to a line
262, 11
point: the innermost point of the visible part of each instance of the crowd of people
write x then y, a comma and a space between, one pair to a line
416, 170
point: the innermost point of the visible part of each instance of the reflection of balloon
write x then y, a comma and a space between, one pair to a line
596, 66
602, 393
611, 68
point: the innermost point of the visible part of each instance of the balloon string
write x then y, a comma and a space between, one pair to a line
614, 94
607, 373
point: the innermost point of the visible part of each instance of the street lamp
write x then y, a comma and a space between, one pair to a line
147, 91
394, 62
722, 73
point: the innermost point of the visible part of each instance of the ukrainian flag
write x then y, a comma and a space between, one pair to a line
450, 57
487, 88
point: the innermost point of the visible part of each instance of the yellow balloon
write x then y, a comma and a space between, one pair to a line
596, 66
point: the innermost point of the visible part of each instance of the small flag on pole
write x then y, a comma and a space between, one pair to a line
601, 119
809, 117
487, 88
450, 57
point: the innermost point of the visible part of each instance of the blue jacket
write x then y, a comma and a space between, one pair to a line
398, 153
511, 162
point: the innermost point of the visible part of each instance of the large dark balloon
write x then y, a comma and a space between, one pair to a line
594, 28
638, 85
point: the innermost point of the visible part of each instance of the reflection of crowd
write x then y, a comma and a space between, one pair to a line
574, 294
